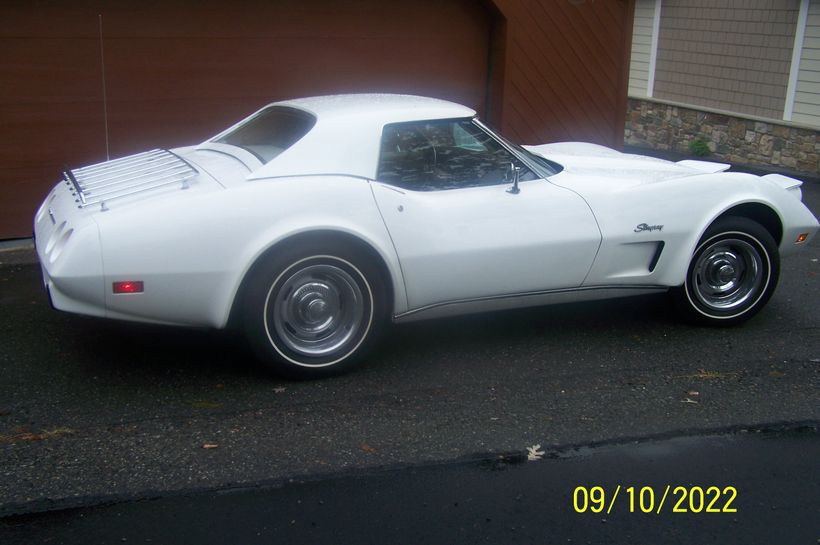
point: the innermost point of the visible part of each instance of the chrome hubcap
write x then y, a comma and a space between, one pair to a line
727, 274
317, 310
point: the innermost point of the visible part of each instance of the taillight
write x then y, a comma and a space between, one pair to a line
129, 286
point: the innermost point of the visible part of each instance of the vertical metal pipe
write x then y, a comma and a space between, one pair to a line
105, 97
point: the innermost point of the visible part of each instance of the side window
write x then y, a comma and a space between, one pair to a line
443, 154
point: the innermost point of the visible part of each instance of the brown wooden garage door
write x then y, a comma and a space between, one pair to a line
174, 73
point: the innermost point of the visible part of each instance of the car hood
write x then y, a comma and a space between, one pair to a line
616, 169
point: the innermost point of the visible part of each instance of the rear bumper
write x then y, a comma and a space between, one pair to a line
67, 243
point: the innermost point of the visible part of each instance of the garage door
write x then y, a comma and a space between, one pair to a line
83, 80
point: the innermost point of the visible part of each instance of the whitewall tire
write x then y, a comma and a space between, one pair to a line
313, 310
732, 274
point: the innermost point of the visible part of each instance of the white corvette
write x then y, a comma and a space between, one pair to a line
314, 221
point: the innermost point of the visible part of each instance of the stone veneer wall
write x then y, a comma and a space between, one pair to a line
731, 139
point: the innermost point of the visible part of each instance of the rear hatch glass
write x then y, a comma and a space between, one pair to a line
270, 132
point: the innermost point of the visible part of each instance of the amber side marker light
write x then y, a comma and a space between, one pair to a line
129, 286
801, 238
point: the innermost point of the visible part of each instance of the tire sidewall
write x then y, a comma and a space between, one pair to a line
762, 242
263, 285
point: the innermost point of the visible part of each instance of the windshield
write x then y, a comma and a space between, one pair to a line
270, 132
550, 168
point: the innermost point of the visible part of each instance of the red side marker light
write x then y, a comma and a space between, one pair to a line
801, 238
129, 286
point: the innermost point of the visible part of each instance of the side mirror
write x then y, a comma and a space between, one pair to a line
513, 174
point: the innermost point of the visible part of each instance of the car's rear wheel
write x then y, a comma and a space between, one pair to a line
731, 275
310, 311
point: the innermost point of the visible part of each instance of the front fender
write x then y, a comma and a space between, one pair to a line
685, 207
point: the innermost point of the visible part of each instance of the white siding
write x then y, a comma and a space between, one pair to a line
807, 97
641, 47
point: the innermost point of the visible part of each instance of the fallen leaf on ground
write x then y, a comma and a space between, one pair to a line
205, 404
533, 453
367, 448
704, 374
209, 445
24, 435
278, 390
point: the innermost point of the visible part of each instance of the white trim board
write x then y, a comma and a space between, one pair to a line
653, 52
797, 53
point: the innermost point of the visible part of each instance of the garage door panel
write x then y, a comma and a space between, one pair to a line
49, 19
177, 71
33, 135
190, 68
139, 125
49, 70
294, 19
27, 190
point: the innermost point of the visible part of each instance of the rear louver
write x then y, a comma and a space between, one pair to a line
141, 173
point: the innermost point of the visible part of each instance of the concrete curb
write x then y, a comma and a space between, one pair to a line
18, 251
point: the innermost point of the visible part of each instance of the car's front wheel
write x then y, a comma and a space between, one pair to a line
310, 311
731, 275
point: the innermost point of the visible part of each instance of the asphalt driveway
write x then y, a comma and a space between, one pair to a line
91, 409
750, 488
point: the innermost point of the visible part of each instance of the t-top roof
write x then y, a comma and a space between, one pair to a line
389, 107
347, 135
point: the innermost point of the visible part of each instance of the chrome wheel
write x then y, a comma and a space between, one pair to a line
315, 305
732, 274
728, 274
316, 310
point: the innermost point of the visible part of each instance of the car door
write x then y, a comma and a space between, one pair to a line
442, 189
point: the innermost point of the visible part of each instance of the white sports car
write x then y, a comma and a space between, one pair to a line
313, 222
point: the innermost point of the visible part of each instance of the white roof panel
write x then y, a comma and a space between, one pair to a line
348, 130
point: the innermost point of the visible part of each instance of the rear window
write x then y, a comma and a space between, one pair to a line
270, 132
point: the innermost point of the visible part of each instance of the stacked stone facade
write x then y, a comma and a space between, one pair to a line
731, 139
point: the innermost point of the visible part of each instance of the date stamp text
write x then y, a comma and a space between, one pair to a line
647, 499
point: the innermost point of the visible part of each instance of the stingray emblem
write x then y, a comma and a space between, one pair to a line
646, 227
